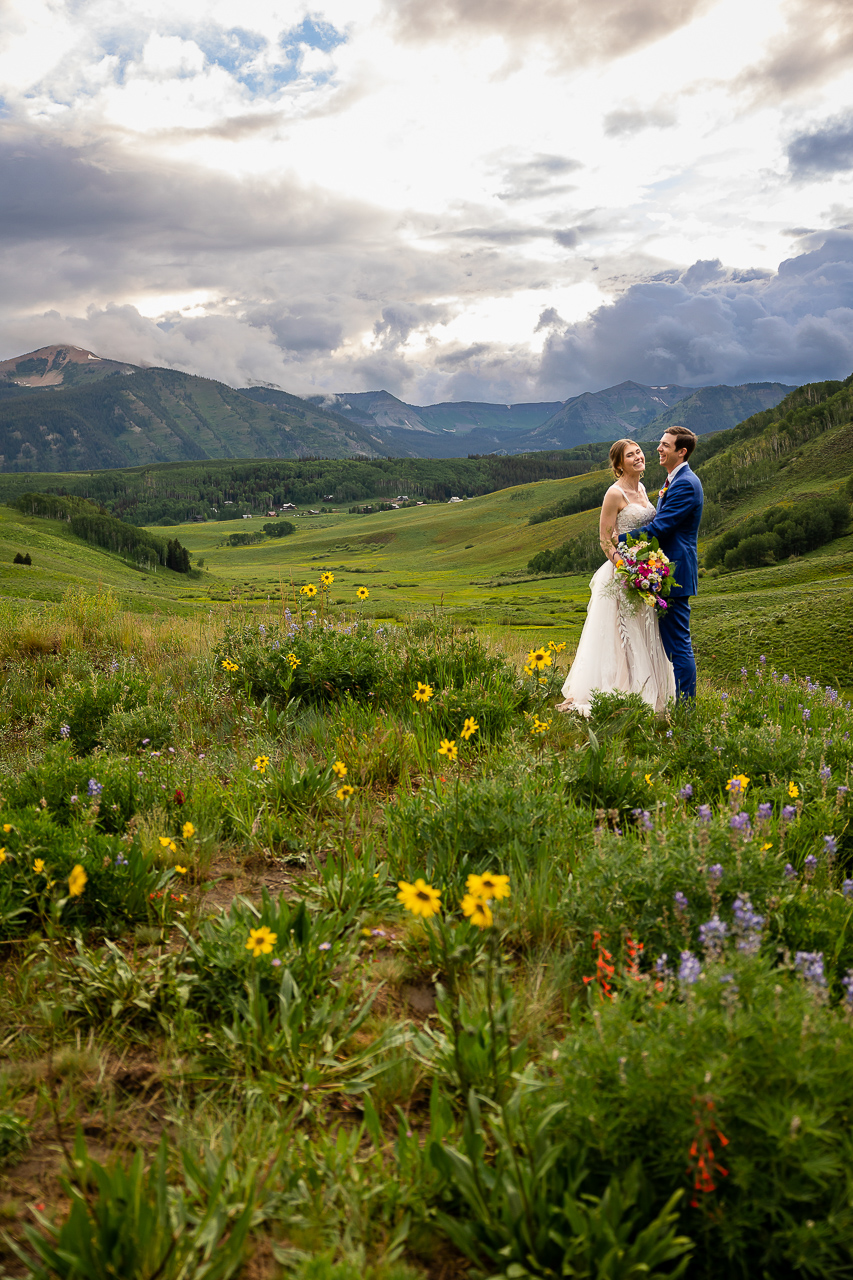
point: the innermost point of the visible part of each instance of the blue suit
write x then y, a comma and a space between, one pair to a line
676, 527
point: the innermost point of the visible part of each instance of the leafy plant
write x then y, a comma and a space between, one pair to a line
130, 1222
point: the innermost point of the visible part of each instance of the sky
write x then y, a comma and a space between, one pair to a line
453, 200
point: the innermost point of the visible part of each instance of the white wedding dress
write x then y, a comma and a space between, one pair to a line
620, 649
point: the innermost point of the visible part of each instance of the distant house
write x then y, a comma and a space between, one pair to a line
313, 513
328, 497
402, 497
247, 517
454, 499
272, 513
288, 506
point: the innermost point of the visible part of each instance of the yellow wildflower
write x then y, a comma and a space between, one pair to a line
182, 871
477, 910
77, 881
308, 590
362, 593
556, 648
538, 658
326, 579
540, 726
738, 784
488, 886
294, 661
38, 866
448, 749
649, 779
7, 827
339, 769
765, 847
344, 792
793, 790
261, 941
187, 830
229, 665
261, 763
469, 728
423, 693
3, 855
419, 898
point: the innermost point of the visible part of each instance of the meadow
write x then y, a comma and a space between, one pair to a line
330, 951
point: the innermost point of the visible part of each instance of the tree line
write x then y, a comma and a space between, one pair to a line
96, 526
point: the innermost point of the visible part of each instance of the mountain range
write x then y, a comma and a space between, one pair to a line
63, 408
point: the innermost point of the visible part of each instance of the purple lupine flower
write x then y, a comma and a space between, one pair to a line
765, 812
763, 660
825, 773
689, 969
810, 965
786, 679
661, 966
680, 901
740, 822
724, 697
645, 817
790, 874
748, 925
841, 792
830, 845
669, 733
120, 861
704, 812
807, 715
713, 934
715, 873
95, 789
65, 730
788, 813
743, 671
847, 888
810, 864
847, 984
686, 792
262, 629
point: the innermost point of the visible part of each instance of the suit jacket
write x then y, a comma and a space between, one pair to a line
676, 527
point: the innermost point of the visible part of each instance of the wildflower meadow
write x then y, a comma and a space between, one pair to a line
330, 950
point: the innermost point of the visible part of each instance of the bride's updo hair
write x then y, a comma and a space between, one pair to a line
617, 454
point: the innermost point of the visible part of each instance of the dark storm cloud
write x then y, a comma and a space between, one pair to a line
85, 193
575, 31
712, 326
823, 151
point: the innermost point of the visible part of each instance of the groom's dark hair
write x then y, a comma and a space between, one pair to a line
684, 439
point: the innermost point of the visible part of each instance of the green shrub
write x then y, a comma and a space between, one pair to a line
121, 887
746, 1054
82, 709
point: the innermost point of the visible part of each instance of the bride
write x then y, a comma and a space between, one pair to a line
619, 649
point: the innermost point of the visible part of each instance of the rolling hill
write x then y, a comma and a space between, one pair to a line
161, 415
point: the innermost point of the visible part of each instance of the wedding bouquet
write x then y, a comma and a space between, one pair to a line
644, 574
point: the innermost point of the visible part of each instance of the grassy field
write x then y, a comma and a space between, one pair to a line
467, 562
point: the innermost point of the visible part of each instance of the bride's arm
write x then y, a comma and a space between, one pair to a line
610, 508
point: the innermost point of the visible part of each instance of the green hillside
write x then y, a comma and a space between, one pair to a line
469, 559
717, 408
159, 415
221, 489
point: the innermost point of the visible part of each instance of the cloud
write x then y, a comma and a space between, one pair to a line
539, 177
816, 45
574, 31
626, 121
712, 326
823, 151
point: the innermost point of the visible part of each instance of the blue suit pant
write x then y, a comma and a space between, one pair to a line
675, 634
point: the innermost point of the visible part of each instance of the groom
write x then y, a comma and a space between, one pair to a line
676, 527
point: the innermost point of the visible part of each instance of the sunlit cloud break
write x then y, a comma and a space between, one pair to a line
449, 202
